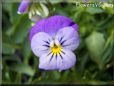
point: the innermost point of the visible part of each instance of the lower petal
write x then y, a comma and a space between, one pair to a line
66, 60
48, 62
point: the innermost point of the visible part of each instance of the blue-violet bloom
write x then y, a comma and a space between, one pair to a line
53, 40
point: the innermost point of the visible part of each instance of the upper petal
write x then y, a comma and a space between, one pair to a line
23, 7
40, 43
36, 28
52, 25
68, 38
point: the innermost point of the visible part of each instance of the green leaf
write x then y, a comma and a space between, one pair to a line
55, 1
26, 50
7, 7
21, 25
108, 7
0, 69
11, 58
95, 44
94, 10
55, 75
8, 46
22, 68
21, 29
107, 53
13, 12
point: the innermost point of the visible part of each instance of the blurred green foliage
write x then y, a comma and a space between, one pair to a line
94, 55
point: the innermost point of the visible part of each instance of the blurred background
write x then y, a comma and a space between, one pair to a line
95, 63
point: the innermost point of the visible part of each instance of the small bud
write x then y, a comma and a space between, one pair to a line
38, 11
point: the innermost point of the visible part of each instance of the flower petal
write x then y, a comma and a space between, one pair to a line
23, 7
66, 60
52, 25
36, 28
57, 22
69, 38
60, 62
48, 62
40, 43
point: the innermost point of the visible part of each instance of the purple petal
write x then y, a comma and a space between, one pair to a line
69, 38
67, 60
23, 7
36, 28
39, 43
52, 25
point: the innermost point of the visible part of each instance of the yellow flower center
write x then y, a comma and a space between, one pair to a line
56, 49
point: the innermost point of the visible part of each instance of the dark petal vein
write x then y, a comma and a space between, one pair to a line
49, 53
63, 52
66, 45
63, 42
46, 46
56, 56
61, 39
47, 42
61, 56
51, 57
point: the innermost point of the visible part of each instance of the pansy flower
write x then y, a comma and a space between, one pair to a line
53, 40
